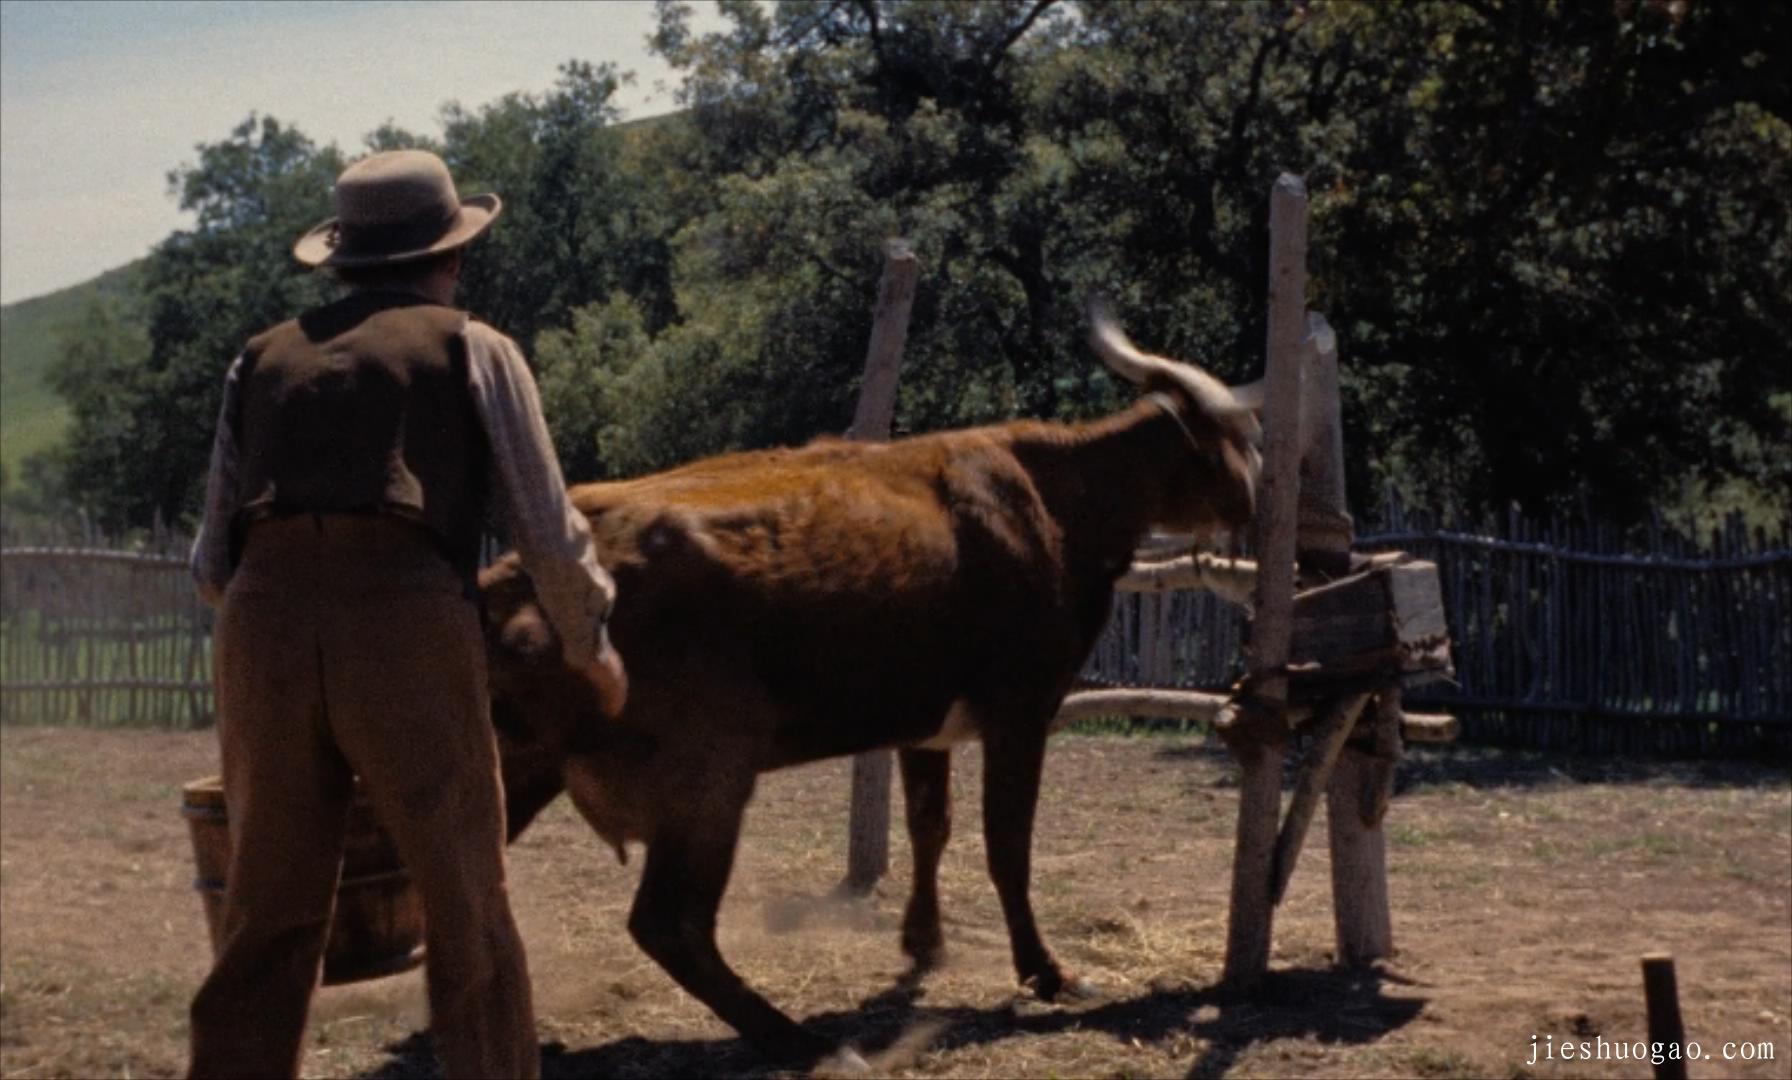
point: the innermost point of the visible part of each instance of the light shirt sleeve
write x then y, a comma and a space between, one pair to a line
552, 537
210, 560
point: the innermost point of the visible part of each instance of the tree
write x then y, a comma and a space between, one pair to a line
584, 373
1555, 239
1522, 216
575, 227
144, 420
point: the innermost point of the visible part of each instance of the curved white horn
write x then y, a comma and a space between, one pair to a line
1119, 353
1250, 395
1208, 393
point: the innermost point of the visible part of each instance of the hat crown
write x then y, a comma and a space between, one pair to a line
396, 187
395, 206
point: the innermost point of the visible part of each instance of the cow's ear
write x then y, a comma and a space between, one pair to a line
528, 635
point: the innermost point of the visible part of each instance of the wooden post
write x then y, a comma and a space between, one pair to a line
1359, 863
1361, 779
889, 330
868, 823
1661, 991
1261, 733
1324, 531
1355, 804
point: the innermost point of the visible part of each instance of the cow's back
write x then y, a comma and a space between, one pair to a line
861, 588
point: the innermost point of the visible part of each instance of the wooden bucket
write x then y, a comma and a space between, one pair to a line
378, 926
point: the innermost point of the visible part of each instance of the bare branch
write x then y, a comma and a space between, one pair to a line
1242, 115
1015, 34
869, 8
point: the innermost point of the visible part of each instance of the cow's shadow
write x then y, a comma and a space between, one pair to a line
1333, 1006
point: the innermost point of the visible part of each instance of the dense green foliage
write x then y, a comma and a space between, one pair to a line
1555, 239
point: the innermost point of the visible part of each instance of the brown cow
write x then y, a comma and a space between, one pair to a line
784, 606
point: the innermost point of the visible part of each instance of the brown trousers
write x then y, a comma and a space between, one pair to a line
345, 646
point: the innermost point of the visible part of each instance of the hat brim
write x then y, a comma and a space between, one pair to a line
477, 212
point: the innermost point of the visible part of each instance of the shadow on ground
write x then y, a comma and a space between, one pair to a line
1332, 1006
1482, 767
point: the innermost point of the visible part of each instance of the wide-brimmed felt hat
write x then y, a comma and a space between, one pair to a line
393, 207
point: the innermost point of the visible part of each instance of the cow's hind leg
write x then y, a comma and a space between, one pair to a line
927, 794
674, 922
1012, 762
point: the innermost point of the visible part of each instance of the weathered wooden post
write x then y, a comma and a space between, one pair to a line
1322, 553
868, 827
1259, 734
1355, 803
1362, 777
1661, 995
1323, 532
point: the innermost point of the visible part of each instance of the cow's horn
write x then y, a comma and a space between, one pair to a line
1250, 395
1137, 367
1118, 352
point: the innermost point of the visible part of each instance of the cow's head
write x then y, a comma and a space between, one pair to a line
547, 715
1214, 487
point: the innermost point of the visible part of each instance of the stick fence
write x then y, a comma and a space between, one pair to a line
1566, 635
102, 636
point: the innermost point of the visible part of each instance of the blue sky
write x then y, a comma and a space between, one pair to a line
99, 100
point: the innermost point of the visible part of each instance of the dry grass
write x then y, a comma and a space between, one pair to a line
1524, 888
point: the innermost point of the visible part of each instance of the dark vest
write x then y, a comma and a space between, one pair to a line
363, 406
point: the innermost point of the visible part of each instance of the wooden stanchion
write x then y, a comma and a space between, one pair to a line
1662, 993
1261, 733
868, 826
1359, 863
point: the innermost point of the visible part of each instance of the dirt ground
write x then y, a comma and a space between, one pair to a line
1525, 889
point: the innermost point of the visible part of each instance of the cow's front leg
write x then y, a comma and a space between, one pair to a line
927, 794
1012, 762
674, 922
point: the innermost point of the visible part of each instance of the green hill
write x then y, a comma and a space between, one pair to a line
32, 417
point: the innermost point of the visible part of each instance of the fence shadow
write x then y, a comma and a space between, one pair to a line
1332, 1006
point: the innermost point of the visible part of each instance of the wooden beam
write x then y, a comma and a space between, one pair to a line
1181, 704
1429, 727
1391, 614
1232, 580
1334, 726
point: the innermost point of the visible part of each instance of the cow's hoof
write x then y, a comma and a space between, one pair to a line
843, 1062
1077, 988
1061, 987
927, 951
